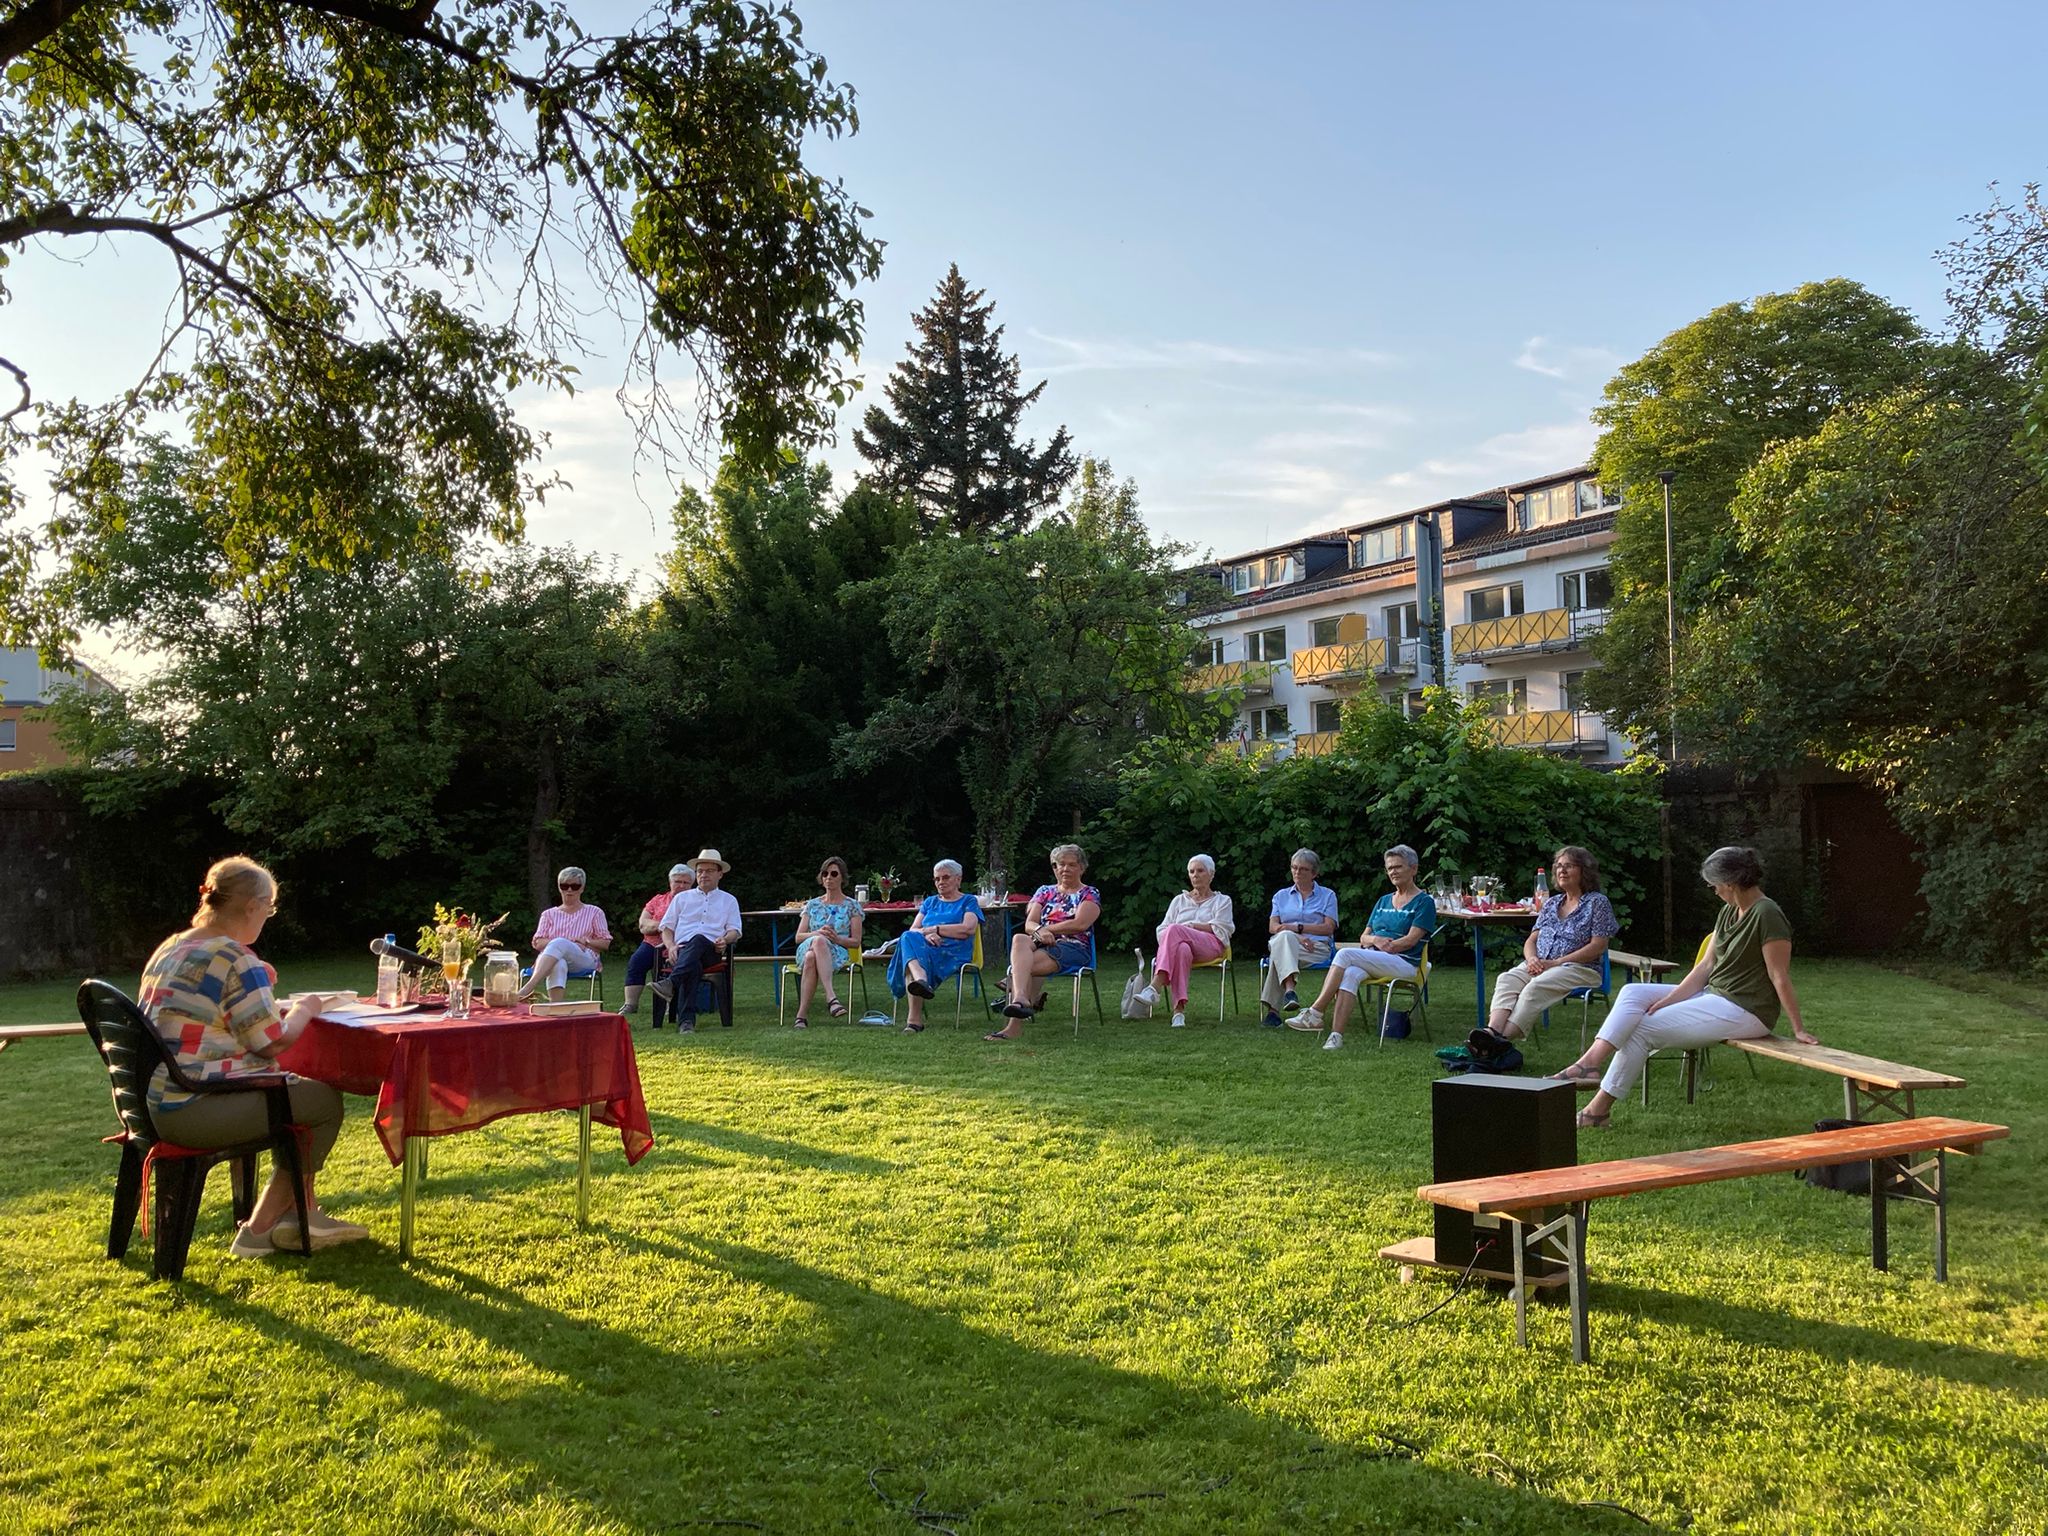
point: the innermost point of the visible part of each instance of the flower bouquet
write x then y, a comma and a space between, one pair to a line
452, 925
885, 881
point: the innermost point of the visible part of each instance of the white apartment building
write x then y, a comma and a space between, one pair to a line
1494, 595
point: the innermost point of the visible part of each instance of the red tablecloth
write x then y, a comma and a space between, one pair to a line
434, 1076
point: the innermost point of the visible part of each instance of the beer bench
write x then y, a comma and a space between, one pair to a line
9, 1033
1867, 1083
1544, 1212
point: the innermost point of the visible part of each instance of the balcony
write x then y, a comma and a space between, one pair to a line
1255, 678
1315, 744
1552, 730
1355, 662
1549, 629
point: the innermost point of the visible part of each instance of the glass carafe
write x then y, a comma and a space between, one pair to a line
501, 978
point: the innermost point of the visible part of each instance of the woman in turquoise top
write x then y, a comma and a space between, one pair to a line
939, 942
825, 935
1400, 925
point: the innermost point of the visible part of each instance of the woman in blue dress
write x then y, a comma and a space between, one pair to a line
826, 934
940, 941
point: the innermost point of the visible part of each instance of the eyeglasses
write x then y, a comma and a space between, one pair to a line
824, 872
570, 885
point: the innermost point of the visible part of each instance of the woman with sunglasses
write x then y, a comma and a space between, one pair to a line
828, 930
569, 937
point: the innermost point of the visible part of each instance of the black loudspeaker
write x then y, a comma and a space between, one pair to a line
1481, 1126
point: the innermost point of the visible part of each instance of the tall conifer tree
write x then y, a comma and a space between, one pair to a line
951, 445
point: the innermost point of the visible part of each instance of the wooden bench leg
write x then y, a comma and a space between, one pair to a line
1880, 1198
1941, 1216
1575, 1234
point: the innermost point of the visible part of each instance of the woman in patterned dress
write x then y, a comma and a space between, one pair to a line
1054, 937
828, 931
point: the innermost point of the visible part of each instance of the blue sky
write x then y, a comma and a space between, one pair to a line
1293, 265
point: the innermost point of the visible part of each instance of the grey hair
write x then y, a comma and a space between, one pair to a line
1205, 861
1742, 867
572, 872
1074, 849
1306, 856
951, 866
1405, 854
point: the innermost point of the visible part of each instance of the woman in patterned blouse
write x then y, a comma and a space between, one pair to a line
1054, 938
827, 935
1561, 954
209, 998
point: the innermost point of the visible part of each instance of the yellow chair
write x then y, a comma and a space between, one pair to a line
1226, 1000
790, 975
959, 981
1418, 993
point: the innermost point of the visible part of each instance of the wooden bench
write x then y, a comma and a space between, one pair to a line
1545, 1212
1640, 967
9, 1033
1867, 1083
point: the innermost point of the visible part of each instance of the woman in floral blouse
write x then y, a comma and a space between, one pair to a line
1561, 954
1054, 937
825, 937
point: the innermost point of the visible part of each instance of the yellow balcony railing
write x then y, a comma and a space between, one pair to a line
1350, 662
1547, 629
1254, 677
1561, 728
1315, 744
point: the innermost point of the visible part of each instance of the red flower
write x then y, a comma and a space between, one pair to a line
462, 920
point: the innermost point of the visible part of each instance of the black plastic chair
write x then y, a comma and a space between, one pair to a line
132, 1051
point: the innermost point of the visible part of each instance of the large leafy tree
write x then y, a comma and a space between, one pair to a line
1030, 656
1706, 402
950, 439
381, 220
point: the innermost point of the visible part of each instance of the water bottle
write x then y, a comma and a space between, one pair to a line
1542, 890
388, 970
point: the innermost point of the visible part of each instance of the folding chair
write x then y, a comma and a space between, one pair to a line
1418, 993
1228, 979
852, 967
1086, 968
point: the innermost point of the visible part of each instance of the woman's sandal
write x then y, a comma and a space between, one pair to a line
800, 1022
998, 1035
1583, 1076
1588, 1121
836, 1008
913, 1029
917, 986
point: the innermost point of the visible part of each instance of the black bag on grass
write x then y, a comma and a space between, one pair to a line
1843, 1178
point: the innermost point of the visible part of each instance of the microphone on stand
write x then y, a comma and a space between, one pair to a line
403, 956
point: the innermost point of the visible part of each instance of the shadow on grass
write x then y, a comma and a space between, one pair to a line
1849, 1344
669, 1129
867, 1402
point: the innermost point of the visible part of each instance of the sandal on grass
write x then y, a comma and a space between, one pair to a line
800, 1022
836, 1008
1002, 1036
1588, 1121
1576, 1073
913, 1029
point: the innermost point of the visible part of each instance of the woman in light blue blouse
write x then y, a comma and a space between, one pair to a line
827, 932
940, 941
1400, 925
1561, 954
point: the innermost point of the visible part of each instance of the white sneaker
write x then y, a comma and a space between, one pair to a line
1180, 1021
251, 1245
1334, 1043
1146, 995
1309, 1019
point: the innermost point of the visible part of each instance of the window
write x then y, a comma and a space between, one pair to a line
1328, 714
1501, 695
1266, 644
1323, 631
1571, 687
1401, 622
1587, 589
1377, 546
1282, 568
1595, 497
1241, 578
1493, 603
1553, 504
1209, 653
1413, 703
6, 735
1270, 724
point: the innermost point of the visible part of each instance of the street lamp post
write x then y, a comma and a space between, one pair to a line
1671, 699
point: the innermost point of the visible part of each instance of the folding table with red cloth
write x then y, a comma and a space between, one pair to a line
435, 1076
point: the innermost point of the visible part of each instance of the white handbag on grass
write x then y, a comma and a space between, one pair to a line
1133, 1007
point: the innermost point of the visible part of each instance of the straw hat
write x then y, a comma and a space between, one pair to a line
710, 856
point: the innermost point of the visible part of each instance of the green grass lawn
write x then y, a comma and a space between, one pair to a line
877, 1283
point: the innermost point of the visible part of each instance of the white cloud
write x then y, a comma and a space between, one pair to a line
1540, 355
1088, 354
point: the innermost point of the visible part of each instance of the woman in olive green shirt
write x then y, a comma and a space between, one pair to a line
1743, 978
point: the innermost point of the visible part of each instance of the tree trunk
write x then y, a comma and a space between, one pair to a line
540, 837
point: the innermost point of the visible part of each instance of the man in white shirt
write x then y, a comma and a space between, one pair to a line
700, 927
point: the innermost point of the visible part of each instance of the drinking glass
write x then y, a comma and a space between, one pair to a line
456, 969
